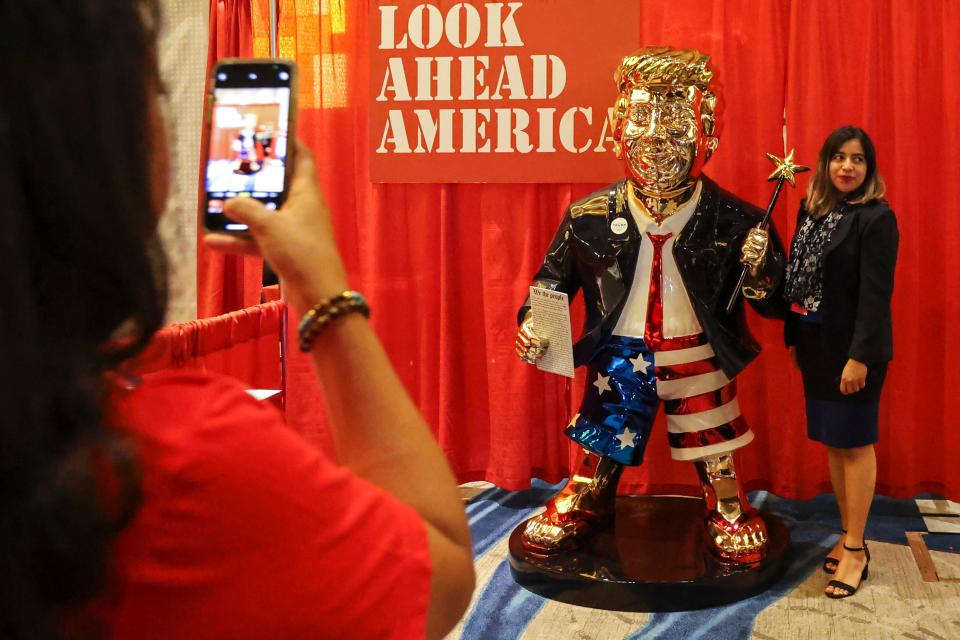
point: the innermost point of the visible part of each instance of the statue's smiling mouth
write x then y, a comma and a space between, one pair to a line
658, 157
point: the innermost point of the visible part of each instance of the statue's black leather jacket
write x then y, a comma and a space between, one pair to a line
587, 255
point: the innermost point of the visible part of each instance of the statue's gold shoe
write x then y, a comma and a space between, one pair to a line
742, 541
551, 531
584, 506
735, 531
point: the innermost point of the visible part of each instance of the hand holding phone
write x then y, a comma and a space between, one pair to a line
248, 134
297, 240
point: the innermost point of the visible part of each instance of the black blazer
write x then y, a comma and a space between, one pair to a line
858, 268
586, 253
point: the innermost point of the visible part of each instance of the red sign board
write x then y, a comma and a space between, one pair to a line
496, 91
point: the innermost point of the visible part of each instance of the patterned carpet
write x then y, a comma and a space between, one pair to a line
894, 603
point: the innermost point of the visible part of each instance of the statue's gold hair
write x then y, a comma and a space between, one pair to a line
664, 66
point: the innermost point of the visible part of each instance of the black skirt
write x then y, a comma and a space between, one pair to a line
836, 420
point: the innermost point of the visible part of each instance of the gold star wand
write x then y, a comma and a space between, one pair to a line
784, 172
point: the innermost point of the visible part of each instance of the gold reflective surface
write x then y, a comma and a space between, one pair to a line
662, 65
659, 209
785, 168
596, 206
529, 346
665, 124
735, 529
585, 503
755, 248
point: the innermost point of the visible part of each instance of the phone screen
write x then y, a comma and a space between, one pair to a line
249, 137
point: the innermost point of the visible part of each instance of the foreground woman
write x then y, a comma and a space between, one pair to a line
180, 507
839, 286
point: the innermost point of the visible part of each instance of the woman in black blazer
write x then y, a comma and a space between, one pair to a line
839, 284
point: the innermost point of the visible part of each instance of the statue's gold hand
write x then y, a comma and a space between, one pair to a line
529, 346
755, 249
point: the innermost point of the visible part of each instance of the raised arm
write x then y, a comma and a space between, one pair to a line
378, 431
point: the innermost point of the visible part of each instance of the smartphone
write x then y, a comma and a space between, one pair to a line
248, 136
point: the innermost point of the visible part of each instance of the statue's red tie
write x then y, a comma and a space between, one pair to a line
653, 331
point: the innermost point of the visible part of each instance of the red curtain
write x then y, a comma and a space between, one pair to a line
445, 266
227, 283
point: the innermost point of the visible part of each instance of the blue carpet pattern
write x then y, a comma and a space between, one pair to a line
504, 609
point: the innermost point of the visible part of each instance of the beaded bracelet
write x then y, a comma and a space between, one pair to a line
326, 311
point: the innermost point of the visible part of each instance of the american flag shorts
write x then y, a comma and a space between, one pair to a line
626, 383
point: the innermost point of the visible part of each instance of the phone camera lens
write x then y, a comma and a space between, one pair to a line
284, 75
252, 76
221, 76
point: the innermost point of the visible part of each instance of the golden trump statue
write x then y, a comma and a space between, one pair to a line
658, 255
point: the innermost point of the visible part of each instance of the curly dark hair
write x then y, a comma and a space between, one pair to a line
81, 257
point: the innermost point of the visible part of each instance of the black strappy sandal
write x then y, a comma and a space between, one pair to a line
836, 584
828, 560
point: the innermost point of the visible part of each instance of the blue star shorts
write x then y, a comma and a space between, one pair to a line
619, 402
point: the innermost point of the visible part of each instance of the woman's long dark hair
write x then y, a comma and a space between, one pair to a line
822, 197
79, 259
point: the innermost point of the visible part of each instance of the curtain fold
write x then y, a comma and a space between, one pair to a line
445, 266
226, 283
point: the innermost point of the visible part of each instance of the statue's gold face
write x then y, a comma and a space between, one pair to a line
662, 142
